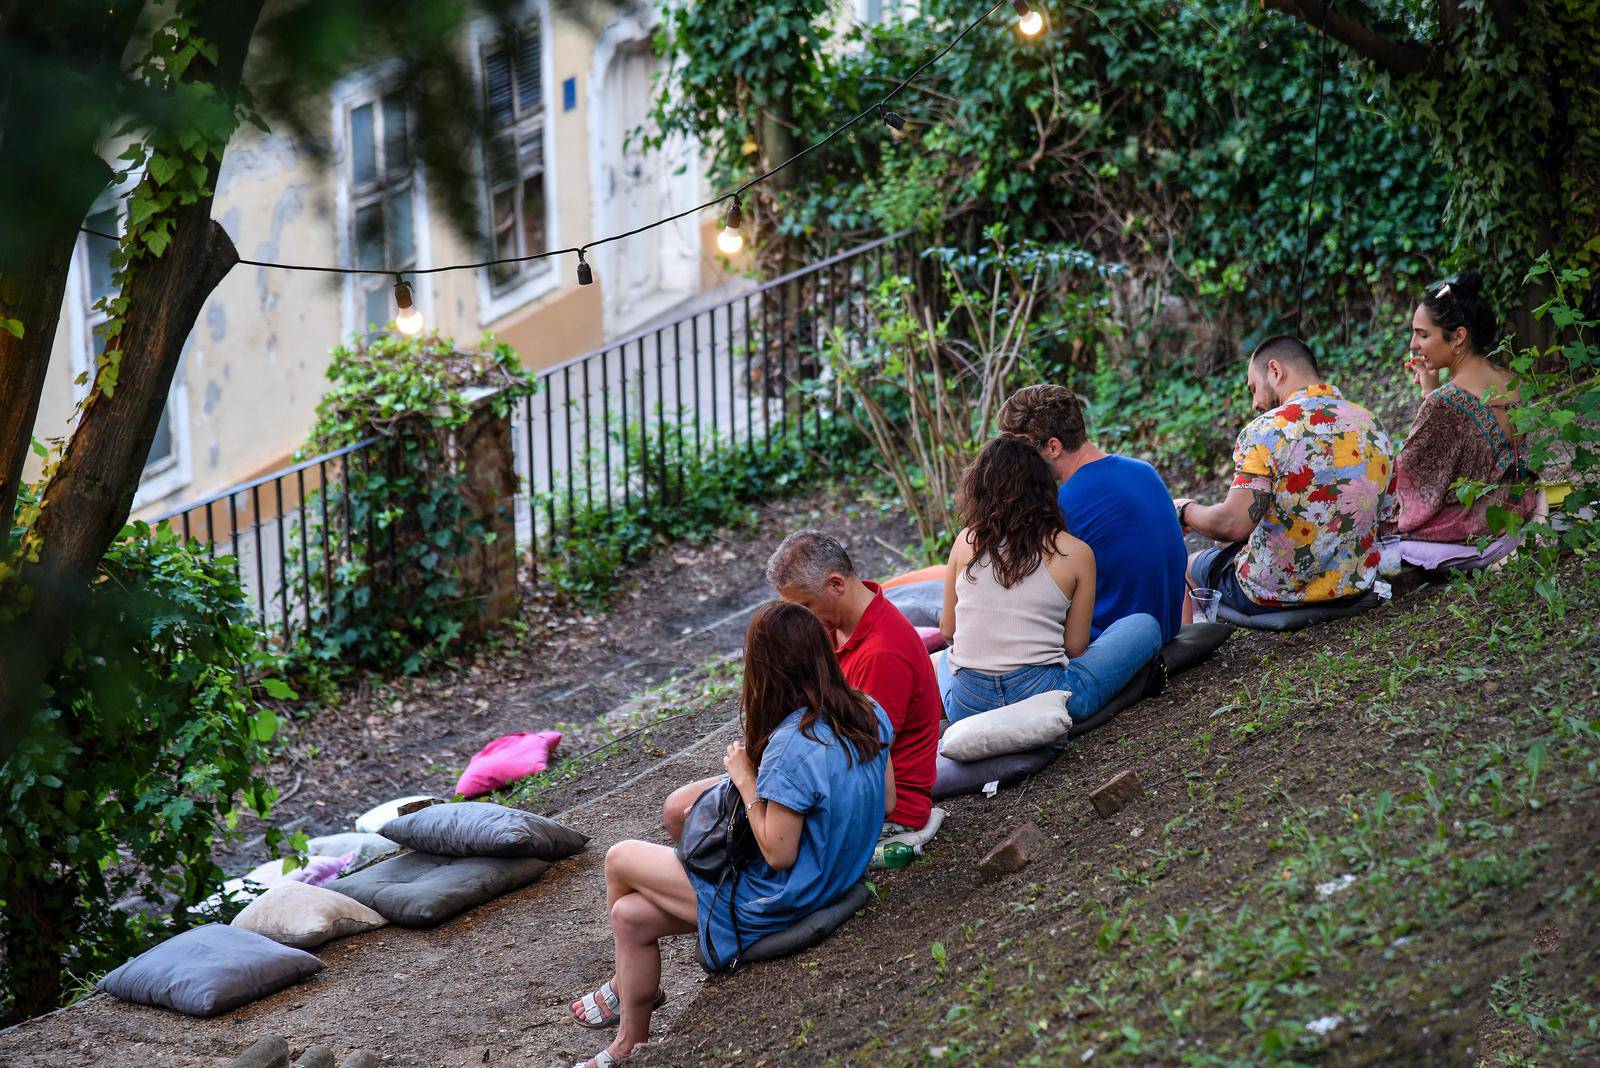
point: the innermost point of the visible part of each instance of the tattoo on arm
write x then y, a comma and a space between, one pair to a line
1260, 501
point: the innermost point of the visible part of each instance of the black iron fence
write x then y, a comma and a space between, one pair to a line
616, 428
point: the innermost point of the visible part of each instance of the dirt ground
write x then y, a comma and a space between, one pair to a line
1195, 926
568, 670
490, 987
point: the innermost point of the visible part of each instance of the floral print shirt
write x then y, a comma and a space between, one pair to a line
1329, 467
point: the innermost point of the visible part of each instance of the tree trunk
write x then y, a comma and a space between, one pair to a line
39, 922
91, 493
32, 284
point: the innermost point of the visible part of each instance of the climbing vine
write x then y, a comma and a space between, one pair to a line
393, 540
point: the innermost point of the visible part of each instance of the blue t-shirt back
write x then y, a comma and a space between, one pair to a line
1122, 509
841, 798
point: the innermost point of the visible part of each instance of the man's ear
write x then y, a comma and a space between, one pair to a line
1053, 448
836, 584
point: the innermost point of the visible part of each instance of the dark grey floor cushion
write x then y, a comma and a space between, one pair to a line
1188, 647
422, 889
1193, 644
808, 932
483, 829
1297, 618
920, 602
209, 970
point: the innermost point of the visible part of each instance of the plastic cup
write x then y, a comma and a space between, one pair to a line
1205, 604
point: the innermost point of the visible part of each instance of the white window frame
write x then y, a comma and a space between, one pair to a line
369, 87
542, 276
177, 470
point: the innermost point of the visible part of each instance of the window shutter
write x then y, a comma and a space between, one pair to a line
497, 87
530, 87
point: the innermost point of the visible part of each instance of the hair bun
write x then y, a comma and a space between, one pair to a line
1468, 284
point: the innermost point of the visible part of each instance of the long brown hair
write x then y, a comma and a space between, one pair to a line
789, 665
1008, 502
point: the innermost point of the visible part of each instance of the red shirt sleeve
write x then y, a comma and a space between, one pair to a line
888, 680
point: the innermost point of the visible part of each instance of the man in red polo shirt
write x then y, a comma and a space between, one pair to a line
881, 655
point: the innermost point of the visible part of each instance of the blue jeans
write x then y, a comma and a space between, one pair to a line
1103, 669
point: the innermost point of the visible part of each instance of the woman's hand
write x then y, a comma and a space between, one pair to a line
740, 770
1426, 380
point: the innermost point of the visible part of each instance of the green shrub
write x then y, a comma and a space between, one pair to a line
689, 497
390, 544
139, 751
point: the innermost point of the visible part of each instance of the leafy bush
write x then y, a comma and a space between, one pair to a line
1560, 410
922, 385
694, 494
139, 750
1173, 138
393, 546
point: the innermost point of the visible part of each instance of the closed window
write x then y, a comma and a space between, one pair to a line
380, 176
514, 165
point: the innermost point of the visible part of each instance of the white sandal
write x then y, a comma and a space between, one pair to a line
604, 1059
603, 1008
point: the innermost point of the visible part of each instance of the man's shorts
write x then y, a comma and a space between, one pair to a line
1214, 569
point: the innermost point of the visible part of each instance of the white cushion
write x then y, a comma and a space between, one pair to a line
303, 916
1029, 724
373, 819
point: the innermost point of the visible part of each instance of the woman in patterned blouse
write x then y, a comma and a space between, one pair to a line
1462, 429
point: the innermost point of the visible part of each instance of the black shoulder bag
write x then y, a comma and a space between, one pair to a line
716, 844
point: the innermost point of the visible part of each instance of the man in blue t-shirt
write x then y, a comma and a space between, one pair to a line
1119, 506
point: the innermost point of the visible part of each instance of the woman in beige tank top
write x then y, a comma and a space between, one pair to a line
1019, 596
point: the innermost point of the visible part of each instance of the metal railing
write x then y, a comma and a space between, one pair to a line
619, 426
613, 428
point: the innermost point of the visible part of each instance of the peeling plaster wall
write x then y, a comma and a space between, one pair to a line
255, 364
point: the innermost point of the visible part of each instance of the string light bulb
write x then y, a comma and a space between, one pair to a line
895, 123
730, 241
409, 321
1029, 22
585, 275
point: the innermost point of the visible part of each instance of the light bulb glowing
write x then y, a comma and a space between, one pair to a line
1031, 24
409, 321
730, 241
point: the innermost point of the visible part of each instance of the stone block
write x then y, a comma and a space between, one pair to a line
269, 1052
1115, 794
1018, 850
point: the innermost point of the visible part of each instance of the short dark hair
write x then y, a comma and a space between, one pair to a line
1461, 303
1288, 349
1040, 413
806, 559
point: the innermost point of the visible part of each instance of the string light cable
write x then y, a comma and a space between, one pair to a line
409, 321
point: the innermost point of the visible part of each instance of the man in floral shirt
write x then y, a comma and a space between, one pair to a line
1313, 477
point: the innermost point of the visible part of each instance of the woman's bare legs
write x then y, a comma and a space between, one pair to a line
650, 897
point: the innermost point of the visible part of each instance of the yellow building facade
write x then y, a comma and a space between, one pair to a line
557, 169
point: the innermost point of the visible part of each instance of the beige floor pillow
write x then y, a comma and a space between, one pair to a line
1028, 724
303, 916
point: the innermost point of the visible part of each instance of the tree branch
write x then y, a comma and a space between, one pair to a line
1408, 57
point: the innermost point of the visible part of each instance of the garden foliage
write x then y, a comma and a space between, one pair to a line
139, 752
392, 540
1176, 140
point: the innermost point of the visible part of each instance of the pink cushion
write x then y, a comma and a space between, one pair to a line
505, 760
932, 640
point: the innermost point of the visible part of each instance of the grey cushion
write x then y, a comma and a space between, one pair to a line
1296, 618
806, 933
1188, 647
1192, 644
483, 829
920, 602
209, 970
421, 889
